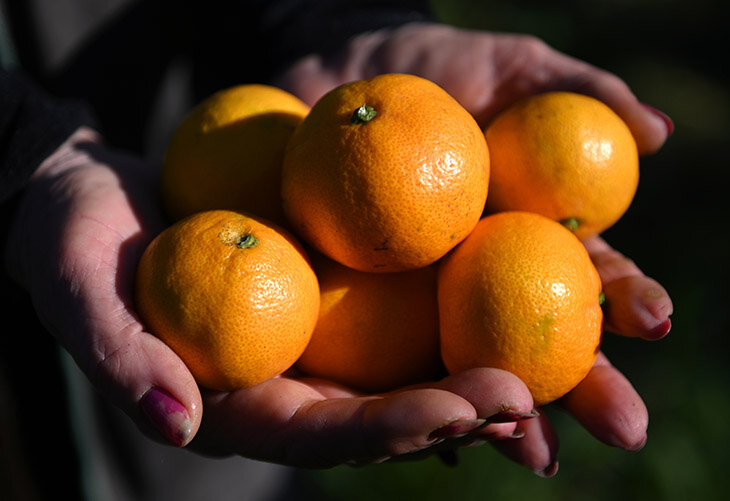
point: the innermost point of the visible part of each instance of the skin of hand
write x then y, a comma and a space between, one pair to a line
89, 211
487, 72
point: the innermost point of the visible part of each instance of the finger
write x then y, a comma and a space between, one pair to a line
143, 377
649, 126
636, 305
129, 366
293, 422
536, 450
498, 396
289, 422
608, 406
84, 242
526, 66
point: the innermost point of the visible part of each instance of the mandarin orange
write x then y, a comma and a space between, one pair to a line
234, 296
521, 294
385, 174
376, 331
564, 155
227, 152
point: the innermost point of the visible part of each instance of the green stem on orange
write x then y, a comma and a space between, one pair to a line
246, 241
601, 298
571, 223
363, 115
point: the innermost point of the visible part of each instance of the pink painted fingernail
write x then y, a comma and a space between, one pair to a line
168, 416
667, 121
456, 428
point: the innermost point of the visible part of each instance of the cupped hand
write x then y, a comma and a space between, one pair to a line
80, 229
89, 212
487, 72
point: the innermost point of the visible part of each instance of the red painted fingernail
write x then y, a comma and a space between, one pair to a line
456, 428
510, 416
667, 121
550, 471
168, 416
661, 330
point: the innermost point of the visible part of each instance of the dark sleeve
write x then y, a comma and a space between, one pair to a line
295, 28
32, 126
253, 40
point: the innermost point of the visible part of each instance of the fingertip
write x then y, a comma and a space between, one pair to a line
651, 127
146, 379
665, 119
637, 306
638, 444
660, 331
609, 407
167, 416
550, 471
495, 393
537, 448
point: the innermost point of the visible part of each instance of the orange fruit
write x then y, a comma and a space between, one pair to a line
233, 296
376, 331
227, 152
385, 174
566, 156
521, 294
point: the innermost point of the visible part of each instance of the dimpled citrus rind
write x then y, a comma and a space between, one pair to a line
376, 331
235, 315
227, 151
394, 193
521, 294
564, 155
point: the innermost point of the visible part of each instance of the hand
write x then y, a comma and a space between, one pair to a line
83, 223
486, 73
605, 402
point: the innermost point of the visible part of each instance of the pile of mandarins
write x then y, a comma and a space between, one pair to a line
382, 237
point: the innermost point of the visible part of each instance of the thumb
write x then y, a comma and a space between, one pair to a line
130, 367
74, 245
143, 377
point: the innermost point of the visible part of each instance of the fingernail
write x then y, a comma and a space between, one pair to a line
548, 472
667, 121
168, 416
517, 434
510, 416
661, 330
456, 428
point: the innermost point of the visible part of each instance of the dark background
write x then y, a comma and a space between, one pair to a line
674, 55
